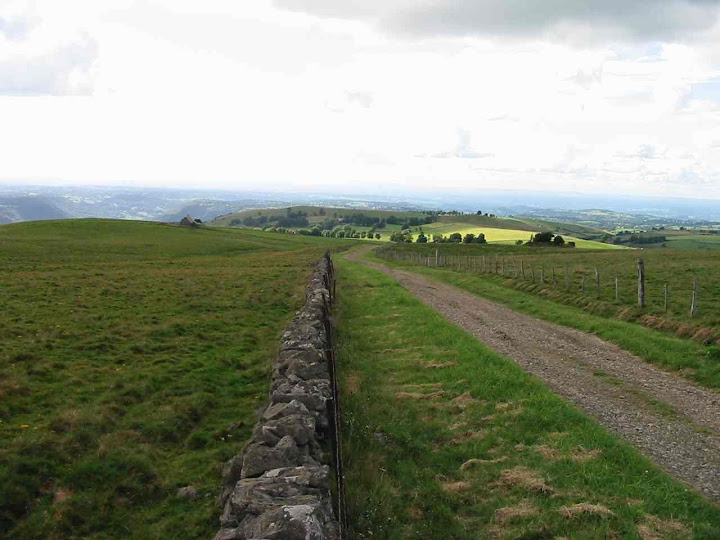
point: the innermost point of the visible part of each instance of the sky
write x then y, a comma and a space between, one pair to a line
612, 96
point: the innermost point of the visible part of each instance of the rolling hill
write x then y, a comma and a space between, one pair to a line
496, 229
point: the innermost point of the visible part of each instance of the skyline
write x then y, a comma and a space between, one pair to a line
294, 95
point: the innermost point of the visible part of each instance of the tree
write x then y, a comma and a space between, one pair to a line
377, 236
197, 220
558, 241
421, 239
543, 237
571, 244
478, 213
455, 237
469, 238
480, 239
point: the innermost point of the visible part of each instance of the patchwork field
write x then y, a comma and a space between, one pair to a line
132, 357
446, 439
504, 230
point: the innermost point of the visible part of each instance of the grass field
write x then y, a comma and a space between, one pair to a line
132, 357
445, 439
667, 346
688, 240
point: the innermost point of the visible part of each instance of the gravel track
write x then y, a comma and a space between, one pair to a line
671, 420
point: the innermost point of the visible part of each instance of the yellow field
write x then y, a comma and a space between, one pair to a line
491, 234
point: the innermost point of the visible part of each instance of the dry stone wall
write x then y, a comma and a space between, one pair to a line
278, 487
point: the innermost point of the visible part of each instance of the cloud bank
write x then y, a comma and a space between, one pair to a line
646, 20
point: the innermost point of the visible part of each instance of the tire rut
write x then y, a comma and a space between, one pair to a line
671, 420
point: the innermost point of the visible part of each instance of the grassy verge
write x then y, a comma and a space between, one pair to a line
445, 439
132, 357
693, 360
675, 267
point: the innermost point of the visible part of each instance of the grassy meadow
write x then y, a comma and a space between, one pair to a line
443, 438
691, 240
662, 337
132, 358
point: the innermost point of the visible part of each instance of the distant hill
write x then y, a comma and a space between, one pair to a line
208, 209
360, 222
28, 208
318, 214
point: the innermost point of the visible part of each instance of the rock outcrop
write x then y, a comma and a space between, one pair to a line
279, 486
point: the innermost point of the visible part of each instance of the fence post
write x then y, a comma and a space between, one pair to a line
641, 283
567, 278
666, 294
532, 272
582, 282
542, 274
597, 282
522, 268
694, 305
553, 277
617, 291
436, 257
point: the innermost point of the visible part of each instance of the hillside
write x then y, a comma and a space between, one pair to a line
28, 208
133, 357
358, 222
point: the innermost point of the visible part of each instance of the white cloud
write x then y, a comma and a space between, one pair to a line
574, 20
244, 94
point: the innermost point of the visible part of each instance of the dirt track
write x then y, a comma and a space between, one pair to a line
671, 420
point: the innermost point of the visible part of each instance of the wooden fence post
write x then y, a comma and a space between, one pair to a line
582, 282
436, 257
694, 305
617, 290
641, 283
532, 272
553, 277
666, 294
542, 273
522, 268
597, 283
567, 278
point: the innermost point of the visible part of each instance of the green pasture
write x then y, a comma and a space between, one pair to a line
132, 358
443, 438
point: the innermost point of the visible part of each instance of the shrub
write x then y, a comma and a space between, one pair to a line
543, 237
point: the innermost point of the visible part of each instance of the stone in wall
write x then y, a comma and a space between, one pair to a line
278, 487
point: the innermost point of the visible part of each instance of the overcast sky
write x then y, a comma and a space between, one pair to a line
613, 96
